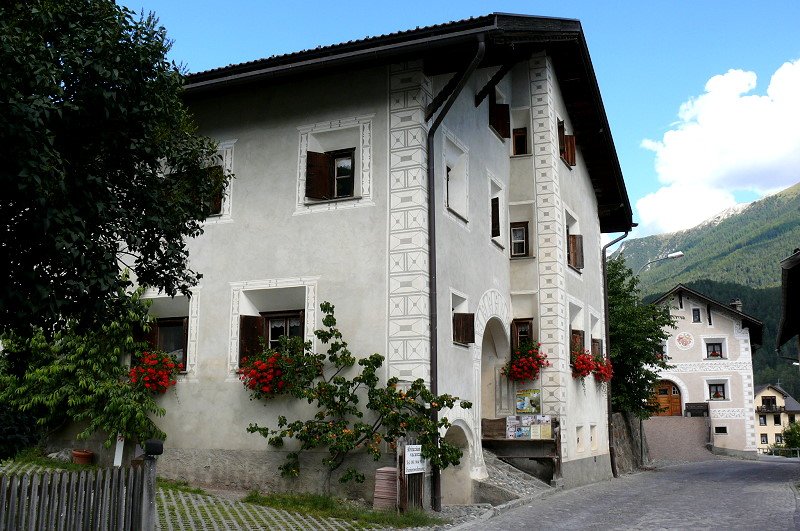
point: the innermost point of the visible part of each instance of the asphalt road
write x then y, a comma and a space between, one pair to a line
720, 494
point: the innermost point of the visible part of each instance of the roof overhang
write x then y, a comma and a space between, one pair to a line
755, 326
447, 47
790, 294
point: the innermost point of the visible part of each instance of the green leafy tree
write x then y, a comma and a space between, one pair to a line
791, 436
77, 376
101, 166
341, 424
637, 333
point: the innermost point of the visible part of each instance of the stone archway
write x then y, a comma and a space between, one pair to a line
457, 479
497, 392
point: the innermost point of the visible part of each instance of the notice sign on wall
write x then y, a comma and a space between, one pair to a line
415, 464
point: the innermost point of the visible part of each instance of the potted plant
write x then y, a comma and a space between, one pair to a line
582, 363
82, 456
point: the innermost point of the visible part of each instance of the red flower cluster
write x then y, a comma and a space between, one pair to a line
582, 364
264, 376
156, 371
526, 362
603, 371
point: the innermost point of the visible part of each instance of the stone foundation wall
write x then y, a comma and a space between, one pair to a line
627, 442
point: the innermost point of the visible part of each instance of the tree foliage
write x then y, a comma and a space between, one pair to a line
341, 425
791, 436
637, 333
82, 377
101, 165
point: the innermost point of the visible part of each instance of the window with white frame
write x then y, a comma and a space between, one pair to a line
497, 211
220, 206
764, 439
456, 177
695, 315
778, 438
171, 329
334, 165
762, 420
715, 348
717, 391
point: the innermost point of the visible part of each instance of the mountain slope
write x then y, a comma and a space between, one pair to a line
735, 254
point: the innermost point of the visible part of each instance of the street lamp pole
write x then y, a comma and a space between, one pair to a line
676, 254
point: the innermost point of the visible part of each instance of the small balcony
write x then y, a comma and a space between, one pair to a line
770, 408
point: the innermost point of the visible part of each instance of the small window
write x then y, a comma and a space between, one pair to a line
456, 178
519, 238
170, 334
791, 418
496, 204
520, 139
716, 391
463, 322
499, 115
521, 330
663, 391
597, 346
764, 439
268, 327
778, 438
695, 315
577, 340
768, 402
776, 419
762, 420
721, 430
675, 390
330, 175
574, 250
714, 350
566, 145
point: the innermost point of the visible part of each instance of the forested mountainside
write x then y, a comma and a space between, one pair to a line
734, 255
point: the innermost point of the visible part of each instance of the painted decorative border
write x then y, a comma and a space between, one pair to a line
364, 123
237, 288
727, 413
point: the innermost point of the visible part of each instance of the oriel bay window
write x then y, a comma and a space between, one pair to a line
268, 327
330, 175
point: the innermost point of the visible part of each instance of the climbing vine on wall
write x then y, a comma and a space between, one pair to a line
354, 411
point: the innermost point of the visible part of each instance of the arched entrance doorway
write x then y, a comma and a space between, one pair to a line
497, 392
668, 398
456, 480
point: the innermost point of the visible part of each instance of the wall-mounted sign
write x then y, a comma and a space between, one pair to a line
415, 464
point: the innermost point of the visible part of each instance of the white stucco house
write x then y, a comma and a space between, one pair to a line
446, 188
712, 368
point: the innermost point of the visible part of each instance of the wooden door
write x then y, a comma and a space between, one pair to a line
668, 398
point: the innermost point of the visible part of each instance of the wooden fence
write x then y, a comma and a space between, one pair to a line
104, 499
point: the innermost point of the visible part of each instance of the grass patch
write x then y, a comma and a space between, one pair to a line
180, 486
331, 507
35, 457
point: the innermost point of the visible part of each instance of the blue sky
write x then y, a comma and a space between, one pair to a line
685, 83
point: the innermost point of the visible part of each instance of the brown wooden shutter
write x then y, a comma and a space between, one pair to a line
319, 183
569, 150
500, 119
251, 330
495, 217
597, 347
575, 243
185, 355
576, 340
561, 143
464, 328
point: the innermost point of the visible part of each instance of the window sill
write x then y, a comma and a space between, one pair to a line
527, 257
498, 245
575, 269
566, 164
522, 156
499, 137
462, 345
716, 358
311, 202
456, 214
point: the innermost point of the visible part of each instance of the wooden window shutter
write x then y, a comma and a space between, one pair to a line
185, 356
577, 340
251, 330
500, 119
597, 347
464, 328
575, 243
569, 150
319, 184
495, 217
561, 143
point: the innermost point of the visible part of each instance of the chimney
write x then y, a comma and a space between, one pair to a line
736, 304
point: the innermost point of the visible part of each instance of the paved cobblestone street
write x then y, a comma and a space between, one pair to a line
719, 494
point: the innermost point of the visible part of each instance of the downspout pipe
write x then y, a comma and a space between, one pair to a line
436, 478
611, 453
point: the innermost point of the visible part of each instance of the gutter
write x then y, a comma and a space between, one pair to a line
611, 453
436, 501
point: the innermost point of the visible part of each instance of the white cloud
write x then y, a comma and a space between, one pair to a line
728, 139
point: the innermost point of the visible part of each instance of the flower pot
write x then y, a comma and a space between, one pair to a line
82, 457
